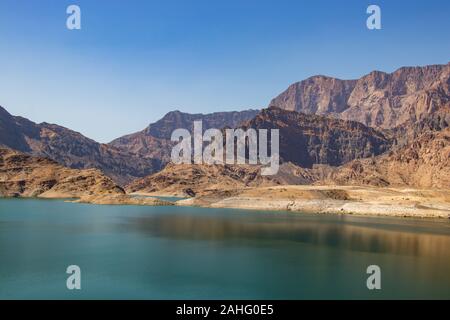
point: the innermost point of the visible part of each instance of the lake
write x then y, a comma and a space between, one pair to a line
138, 252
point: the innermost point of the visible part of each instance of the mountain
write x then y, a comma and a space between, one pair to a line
154, 141
424, 163
164, 127
374, 123
71, 148
28, 176
307, 139
379, 99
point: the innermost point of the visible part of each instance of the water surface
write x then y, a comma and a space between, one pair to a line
138, 252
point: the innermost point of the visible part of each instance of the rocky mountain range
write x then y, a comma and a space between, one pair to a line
423, 163
124, 159
71, 149
379, 99
383, 129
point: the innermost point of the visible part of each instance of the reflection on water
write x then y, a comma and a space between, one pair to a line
139, 252
358, 234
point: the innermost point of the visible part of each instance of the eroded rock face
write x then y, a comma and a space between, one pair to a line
307, 139
319, 95
424, 162
23, 175
409, 131
379, 99
72, 149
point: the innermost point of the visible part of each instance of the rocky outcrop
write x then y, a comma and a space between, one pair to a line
193, 180
423, 163
379, 99
307, 139
72, 149
409, 131
22, 175
319, 95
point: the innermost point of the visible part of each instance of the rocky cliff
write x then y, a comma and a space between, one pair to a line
425, 163
379, 99
307, 139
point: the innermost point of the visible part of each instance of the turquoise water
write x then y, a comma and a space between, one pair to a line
137, 252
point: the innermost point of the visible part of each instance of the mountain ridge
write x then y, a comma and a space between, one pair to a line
378, 99
322, 121
154, 141
70, 148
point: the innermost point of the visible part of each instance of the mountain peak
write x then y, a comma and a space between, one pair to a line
378, 99
173, 120
4, 112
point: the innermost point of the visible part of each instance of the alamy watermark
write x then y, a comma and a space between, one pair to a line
374, 280
74, 280
73, 21
374, 20
251, 140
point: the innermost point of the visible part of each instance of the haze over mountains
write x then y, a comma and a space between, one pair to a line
390, 120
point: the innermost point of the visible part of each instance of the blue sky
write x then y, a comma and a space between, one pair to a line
134, 60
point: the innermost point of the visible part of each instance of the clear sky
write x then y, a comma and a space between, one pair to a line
135, 60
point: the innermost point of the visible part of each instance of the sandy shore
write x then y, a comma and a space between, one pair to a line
400, 202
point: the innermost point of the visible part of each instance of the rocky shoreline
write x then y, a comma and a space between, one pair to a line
367, 201
344, 200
